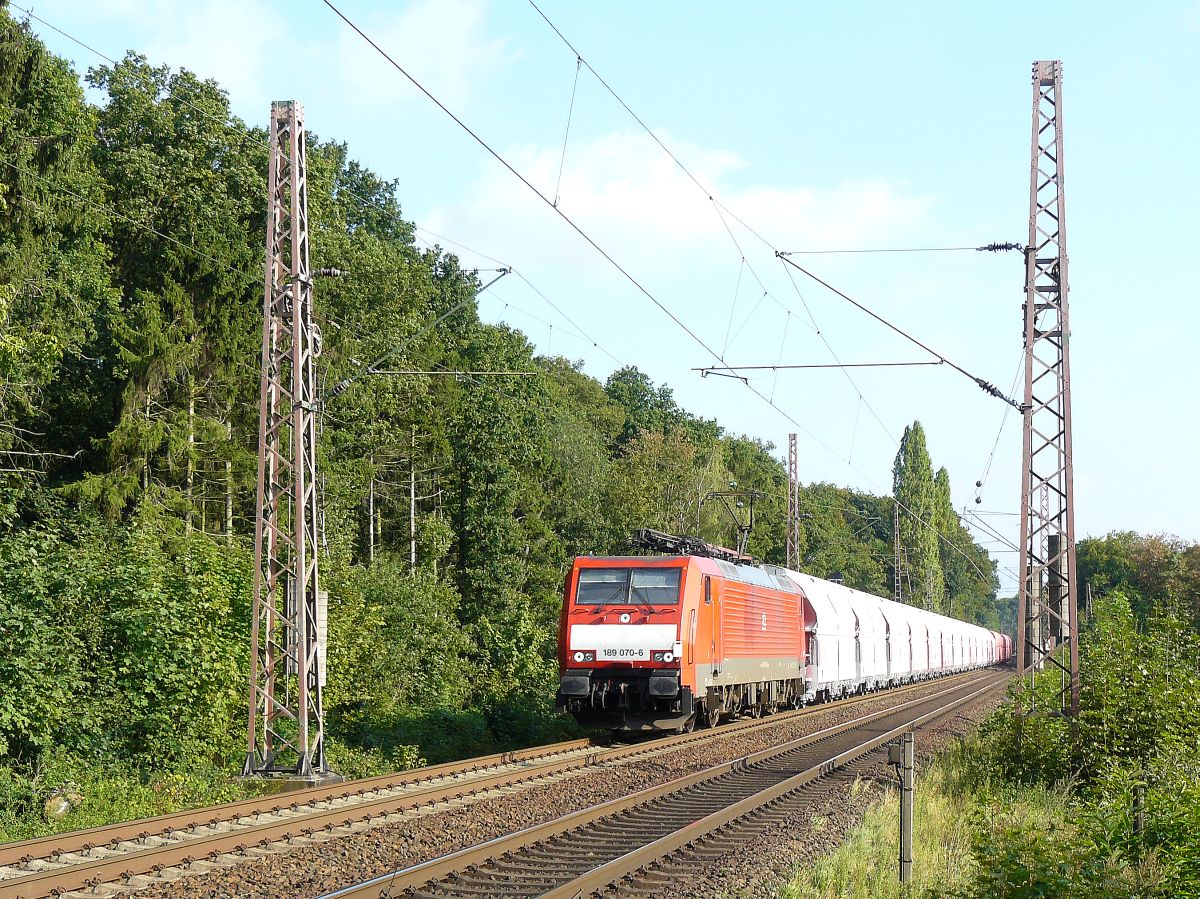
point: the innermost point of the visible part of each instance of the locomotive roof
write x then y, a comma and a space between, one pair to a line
747, 574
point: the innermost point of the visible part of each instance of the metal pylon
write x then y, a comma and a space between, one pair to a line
1047, 635
793, 512
286, 728
897, 588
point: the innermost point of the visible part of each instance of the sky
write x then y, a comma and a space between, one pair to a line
810, 127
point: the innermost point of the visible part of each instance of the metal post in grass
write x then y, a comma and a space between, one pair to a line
901, 756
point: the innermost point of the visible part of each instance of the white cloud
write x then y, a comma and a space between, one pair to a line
235, 42
624, 191
263, 50
444, 44
238, 43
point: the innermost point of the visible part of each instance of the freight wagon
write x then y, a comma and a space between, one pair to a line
663, 643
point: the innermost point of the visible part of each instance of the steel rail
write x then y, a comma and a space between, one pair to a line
417, 876
159, 825
546, 760
636, 861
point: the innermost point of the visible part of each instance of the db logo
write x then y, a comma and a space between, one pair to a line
764, 621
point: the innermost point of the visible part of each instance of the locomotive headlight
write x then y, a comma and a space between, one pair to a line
668, 657
579, 656
657, 656
589, 657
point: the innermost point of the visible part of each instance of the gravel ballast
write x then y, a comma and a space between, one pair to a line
309, 868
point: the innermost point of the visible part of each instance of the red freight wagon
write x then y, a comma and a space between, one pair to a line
664, 642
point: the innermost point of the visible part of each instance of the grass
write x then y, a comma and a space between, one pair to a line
103, 793
949, 808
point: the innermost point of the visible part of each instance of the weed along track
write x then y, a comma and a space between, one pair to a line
171, 851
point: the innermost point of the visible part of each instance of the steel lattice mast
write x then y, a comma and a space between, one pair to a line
286, 727
793, 513
1047, 630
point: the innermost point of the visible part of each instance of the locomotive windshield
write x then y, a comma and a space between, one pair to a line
628, 586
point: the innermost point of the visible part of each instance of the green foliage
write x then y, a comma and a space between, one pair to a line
130, 321
1154, 571
959, 821
943, 568
395, 643
121, 640
112, 791
913, 488
1139, 714
53, 274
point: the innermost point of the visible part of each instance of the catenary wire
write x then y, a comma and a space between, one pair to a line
566, 133
248, 136
520, 177
609, 258
980, 382
525, 181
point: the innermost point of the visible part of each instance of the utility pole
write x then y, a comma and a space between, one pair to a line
1047, 577
286, 734
793, 512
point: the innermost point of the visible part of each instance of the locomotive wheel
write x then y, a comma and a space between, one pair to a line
712, 716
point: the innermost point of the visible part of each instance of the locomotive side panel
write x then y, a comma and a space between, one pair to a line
761, 637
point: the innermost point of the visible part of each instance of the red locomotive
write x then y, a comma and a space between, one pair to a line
650, 643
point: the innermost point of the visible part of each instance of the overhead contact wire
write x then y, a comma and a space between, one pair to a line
979, 382
733, 306
249, 138
609, 258
528, 184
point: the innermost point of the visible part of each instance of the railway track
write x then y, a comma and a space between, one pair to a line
631, 846
132, 854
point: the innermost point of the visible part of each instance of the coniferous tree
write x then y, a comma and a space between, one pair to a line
54, 280
913, 489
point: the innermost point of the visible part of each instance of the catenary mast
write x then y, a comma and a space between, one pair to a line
286, 734
1047, 622
793, 512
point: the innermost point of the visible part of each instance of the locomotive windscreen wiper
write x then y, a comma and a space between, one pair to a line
617, 595
636, 596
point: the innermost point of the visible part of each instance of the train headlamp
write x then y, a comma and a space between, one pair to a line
578, 657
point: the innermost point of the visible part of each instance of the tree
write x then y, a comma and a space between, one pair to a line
648, 408
186, 185
53, 266
970, 574
913, 490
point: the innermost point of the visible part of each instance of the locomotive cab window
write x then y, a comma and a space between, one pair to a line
628, 586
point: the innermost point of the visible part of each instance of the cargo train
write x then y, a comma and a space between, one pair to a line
669, 642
